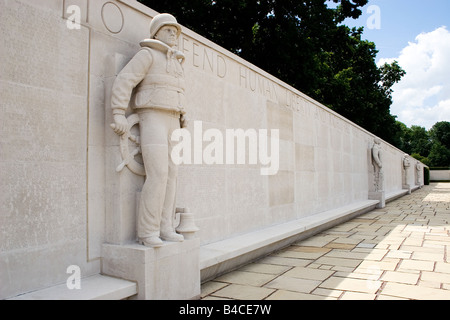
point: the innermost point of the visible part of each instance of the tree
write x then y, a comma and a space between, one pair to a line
440, 144
420, 141
403, 137
439, 155
440, 132
432, 147
422, 159
390, 75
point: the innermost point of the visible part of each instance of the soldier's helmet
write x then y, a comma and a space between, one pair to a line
161, 20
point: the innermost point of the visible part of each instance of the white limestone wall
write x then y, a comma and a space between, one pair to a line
60, 196
393, 171
440, 175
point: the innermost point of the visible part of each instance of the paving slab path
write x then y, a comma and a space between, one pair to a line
399, 252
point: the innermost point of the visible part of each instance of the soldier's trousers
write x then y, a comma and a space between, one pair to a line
157, 204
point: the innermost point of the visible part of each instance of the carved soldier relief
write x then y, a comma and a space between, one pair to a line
156, 76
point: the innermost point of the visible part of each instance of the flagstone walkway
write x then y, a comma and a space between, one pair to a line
398, 252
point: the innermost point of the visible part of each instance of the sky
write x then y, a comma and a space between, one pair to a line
416, 33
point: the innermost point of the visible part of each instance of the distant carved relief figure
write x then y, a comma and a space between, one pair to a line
378, 165
419, 173
406, 163
156, 74
405, 178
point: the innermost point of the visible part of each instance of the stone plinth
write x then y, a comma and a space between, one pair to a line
380, 196
170, 272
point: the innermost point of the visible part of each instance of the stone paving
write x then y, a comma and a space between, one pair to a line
398, 252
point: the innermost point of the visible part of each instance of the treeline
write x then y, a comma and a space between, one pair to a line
432, 147
304, 43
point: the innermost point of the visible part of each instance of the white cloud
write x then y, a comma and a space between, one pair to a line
422, 97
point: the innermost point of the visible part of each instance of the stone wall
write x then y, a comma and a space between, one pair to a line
43, 162
61, 198
440, 175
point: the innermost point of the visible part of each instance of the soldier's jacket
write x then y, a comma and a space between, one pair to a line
156, 72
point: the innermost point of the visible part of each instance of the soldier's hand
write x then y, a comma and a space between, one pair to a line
120, 124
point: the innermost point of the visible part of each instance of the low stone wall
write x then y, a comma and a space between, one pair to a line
439, 175
62, 198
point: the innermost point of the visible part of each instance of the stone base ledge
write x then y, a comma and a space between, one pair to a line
97, 287
223, 256
391, 196
170, 272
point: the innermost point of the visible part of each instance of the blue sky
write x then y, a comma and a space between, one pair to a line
416, 33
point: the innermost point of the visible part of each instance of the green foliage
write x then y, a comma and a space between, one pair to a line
432, 147
420, 140
440, 133
422, 159
439, 155
390, 75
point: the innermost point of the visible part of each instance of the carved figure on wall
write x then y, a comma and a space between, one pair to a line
419, 174
156, 76
405, 179
378, 165
406, 163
